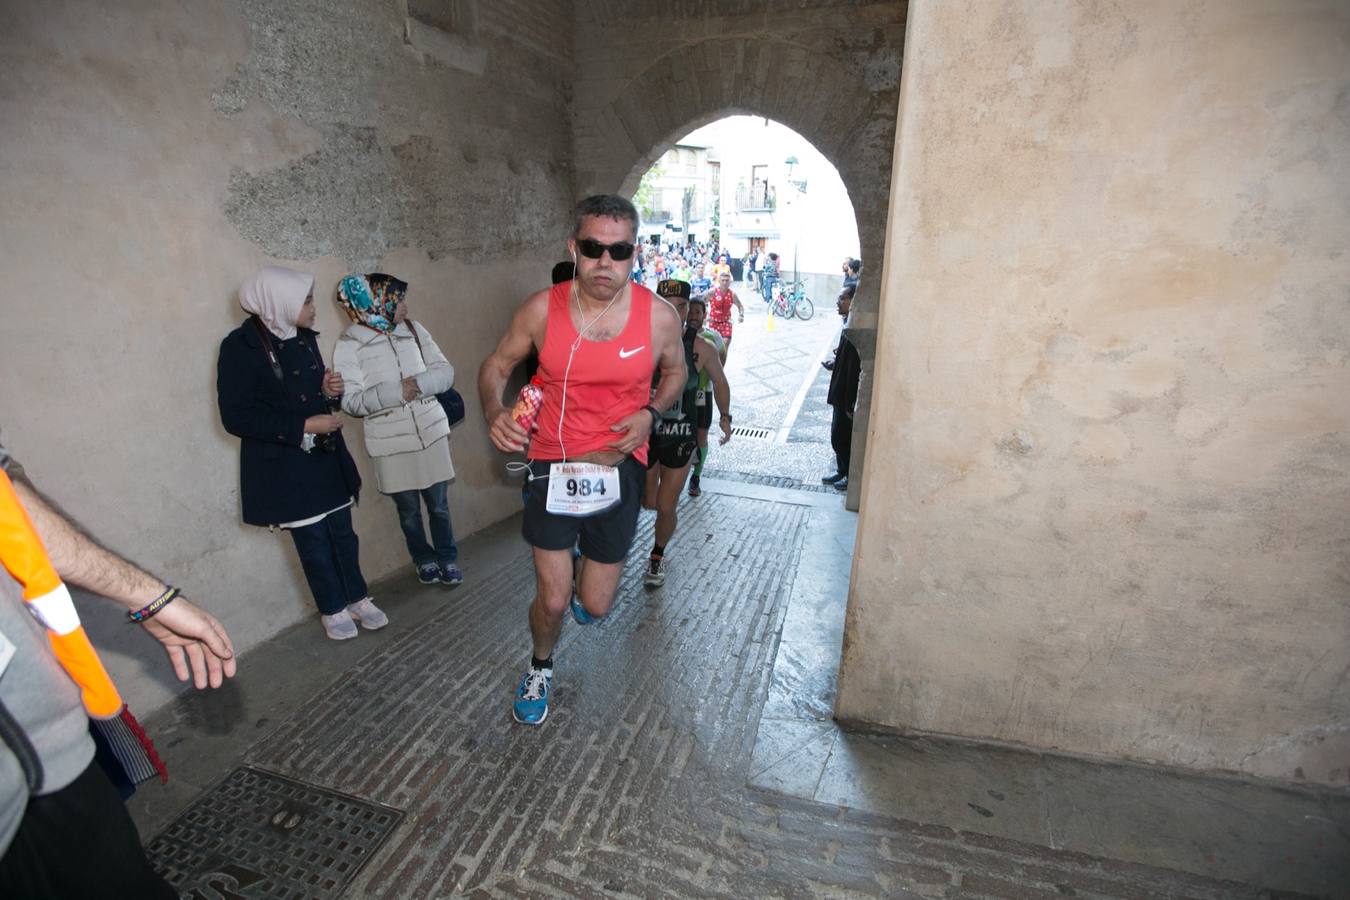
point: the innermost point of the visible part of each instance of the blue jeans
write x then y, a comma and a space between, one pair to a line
442, 548
329, 555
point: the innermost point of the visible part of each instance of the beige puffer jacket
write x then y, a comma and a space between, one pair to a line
373, 365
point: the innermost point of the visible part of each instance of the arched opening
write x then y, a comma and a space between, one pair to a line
847, 111
626, 119
749, 186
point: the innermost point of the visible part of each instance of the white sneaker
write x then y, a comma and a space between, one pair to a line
339, 626
368, 614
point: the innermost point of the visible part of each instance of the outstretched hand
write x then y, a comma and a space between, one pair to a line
196, 643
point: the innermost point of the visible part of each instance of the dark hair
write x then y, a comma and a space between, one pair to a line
564, 271
611, 206
699, 300
855, 266
773, 256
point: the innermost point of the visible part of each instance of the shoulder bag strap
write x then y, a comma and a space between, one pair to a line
267, 348
412, 326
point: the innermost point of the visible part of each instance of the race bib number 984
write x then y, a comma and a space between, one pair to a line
581, 489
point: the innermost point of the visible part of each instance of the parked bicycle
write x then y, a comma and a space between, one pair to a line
790, 300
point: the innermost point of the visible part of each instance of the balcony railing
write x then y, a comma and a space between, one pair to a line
759, 195
659, 216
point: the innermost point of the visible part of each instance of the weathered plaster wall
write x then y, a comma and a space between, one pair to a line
650, 71
1114, 516
154, 154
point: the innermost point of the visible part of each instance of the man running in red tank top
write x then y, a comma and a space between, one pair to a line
599, 338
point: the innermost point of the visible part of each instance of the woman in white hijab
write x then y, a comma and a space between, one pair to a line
295, 473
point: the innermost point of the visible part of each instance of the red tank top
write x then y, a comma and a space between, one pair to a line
608, 380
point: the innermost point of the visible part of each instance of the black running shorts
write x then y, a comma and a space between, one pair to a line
673, 454
604, 537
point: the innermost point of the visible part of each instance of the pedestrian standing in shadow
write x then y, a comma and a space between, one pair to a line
843, 397
392, 370
295, 473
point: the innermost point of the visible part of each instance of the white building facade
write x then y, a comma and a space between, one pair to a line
680, 203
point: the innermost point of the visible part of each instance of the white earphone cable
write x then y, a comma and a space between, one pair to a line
576, 345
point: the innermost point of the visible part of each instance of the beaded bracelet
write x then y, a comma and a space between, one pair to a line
154, 606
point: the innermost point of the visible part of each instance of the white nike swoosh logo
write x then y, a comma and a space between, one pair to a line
624, 354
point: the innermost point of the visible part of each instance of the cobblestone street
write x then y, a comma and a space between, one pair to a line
689, 752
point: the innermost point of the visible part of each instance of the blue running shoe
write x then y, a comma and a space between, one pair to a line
451, 575
429, 574
531, 706
579, 613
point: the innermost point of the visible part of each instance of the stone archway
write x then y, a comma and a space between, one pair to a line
819, 97
823, 75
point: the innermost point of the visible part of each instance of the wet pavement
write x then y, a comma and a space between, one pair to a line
690, 751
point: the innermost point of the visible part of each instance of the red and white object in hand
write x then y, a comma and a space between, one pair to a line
528, 402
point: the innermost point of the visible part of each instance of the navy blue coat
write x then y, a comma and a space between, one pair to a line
279, 482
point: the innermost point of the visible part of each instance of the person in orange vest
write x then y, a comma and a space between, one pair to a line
55, 800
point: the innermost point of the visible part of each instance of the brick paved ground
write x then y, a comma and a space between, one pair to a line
635, 786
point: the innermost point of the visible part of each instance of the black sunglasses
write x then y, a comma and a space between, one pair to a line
594, 249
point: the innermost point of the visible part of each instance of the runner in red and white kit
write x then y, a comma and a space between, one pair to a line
720, 300
599, 337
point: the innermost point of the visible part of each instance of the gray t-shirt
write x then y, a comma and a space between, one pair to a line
41, 700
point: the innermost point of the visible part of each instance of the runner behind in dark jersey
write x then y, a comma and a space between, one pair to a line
698, 312
673, 441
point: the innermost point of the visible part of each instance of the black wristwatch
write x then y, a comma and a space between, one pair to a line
656, 414
726, 416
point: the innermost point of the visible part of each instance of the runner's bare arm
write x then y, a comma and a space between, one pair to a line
740, 309
525, 332
668, 351
668, 347
709, 362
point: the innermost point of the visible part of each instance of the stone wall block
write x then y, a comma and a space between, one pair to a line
200, 142
1115, 419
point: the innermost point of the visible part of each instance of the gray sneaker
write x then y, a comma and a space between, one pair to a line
656, 573
368, 614
339, 626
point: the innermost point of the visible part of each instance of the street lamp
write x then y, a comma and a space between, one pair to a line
800, 186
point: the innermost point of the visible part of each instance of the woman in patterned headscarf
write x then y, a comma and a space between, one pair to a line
392, 370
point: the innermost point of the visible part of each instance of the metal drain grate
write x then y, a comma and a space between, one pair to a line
259, 834
778, 481
749, 432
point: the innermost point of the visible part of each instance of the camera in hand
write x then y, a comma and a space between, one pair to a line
326, 443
